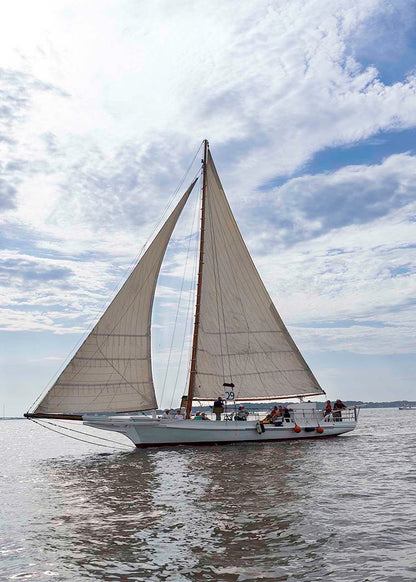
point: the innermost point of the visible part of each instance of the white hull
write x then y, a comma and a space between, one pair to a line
148, 432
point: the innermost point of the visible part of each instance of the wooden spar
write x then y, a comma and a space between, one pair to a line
75, 416
30, 415
192, 374
267, 399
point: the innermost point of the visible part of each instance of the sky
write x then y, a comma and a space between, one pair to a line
310, 110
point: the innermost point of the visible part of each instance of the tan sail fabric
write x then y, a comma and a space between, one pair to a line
241, 336
111, 371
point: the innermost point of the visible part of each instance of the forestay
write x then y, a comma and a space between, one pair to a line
111, 371
241, 337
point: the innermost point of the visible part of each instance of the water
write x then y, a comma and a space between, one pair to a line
335, 509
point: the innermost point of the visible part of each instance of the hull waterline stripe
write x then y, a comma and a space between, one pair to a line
210, 444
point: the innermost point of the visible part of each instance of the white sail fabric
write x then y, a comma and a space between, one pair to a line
111, 371
241, 337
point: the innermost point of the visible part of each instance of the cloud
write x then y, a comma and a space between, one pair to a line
32, 271
279, 83
392, 26
58, 294
360, 273
311, 205
7, 193
98, 132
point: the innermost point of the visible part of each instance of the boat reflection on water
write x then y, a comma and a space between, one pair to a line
180, 514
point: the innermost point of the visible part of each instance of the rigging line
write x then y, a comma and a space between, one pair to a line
142, 285
169, 204
101, 438
189, 311
256, 340
214, 244
193, 228
160, 221
246, 322
238, 292
130, 268
78, 439
217, 286
99, 349
123, 277
177, 313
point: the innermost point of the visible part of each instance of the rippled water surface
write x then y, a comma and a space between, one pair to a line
335, 509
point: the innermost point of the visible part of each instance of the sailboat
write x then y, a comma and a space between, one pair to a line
241, 347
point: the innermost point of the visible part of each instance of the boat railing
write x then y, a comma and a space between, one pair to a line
230, 415
349, 413
299, 416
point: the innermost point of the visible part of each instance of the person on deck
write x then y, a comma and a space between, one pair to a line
328, 408
198, 416
166, 413
204, 416
286, 414
179, 415
338, 406
274, 413
218, 408
241, 413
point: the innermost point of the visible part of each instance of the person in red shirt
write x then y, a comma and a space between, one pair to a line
328, 408
274, 414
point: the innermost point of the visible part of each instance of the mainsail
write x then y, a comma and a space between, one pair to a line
111, 371
241, 337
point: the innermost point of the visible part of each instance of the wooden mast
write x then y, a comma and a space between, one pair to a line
192, 374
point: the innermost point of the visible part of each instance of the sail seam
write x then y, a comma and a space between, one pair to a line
120, 334
111, 359
258, 372
112, 385
217, 286
241, 332
250, 353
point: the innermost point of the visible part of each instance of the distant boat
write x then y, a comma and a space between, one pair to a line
407, 407
241, 348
